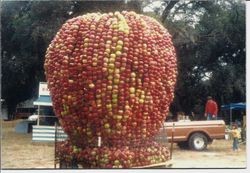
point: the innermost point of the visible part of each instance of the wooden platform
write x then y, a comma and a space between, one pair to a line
167, 164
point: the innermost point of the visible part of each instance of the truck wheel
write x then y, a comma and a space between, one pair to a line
182, 145
198, 142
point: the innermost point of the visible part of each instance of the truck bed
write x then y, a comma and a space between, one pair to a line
214, 129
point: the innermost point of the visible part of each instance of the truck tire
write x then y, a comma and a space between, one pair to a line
183, 145
198, 142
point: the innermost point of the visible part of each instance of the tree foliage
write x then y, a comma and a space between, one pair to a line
27, 29
210, 41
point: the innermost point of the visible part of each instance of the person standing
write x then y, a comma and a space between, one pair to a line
236, 135
211, 109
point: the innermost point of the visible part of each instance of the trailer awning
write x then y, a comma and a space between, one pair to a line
235, 106
43, 101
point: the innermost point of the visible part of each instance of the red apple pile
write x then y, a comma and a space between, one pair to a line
112, 76
114, 157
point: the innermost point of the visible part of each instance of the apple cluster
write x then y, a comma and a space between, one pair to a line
114, 157
111, 76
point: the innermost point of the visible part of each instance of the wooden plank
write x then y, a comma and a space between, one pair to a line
166, 164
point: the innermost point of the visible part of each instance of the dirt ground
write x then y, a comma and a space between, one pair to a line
19, 152
218, 155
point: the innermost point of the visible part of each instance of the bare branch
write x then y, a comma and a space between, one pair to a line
166, 11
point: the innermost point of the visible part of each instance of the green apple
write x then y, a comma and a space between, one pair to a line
118, 117
132, 90
86, 40
141, 101
93, 153
109, 106
89, 133
114, 38
110, 70
111, 60
116, 81
110, 77
120, 42
117, 75
114, 101
91, 85
106, 126
114, 96
133, 74
127, 107
111, 65
112, 55
117, 71
108, 42
118, 53
107, 50
109, 87
118, 48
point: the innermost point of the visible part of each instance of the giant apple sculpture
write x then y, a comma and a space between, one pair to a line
112, 76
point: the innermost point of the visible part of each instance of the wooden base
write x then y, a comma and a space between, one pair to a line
167, 164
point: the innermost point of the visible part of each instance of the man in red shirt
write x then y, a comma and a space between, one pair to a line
211, 109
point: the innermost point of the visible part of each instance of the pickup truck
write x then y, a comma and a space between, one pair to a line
195, 134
